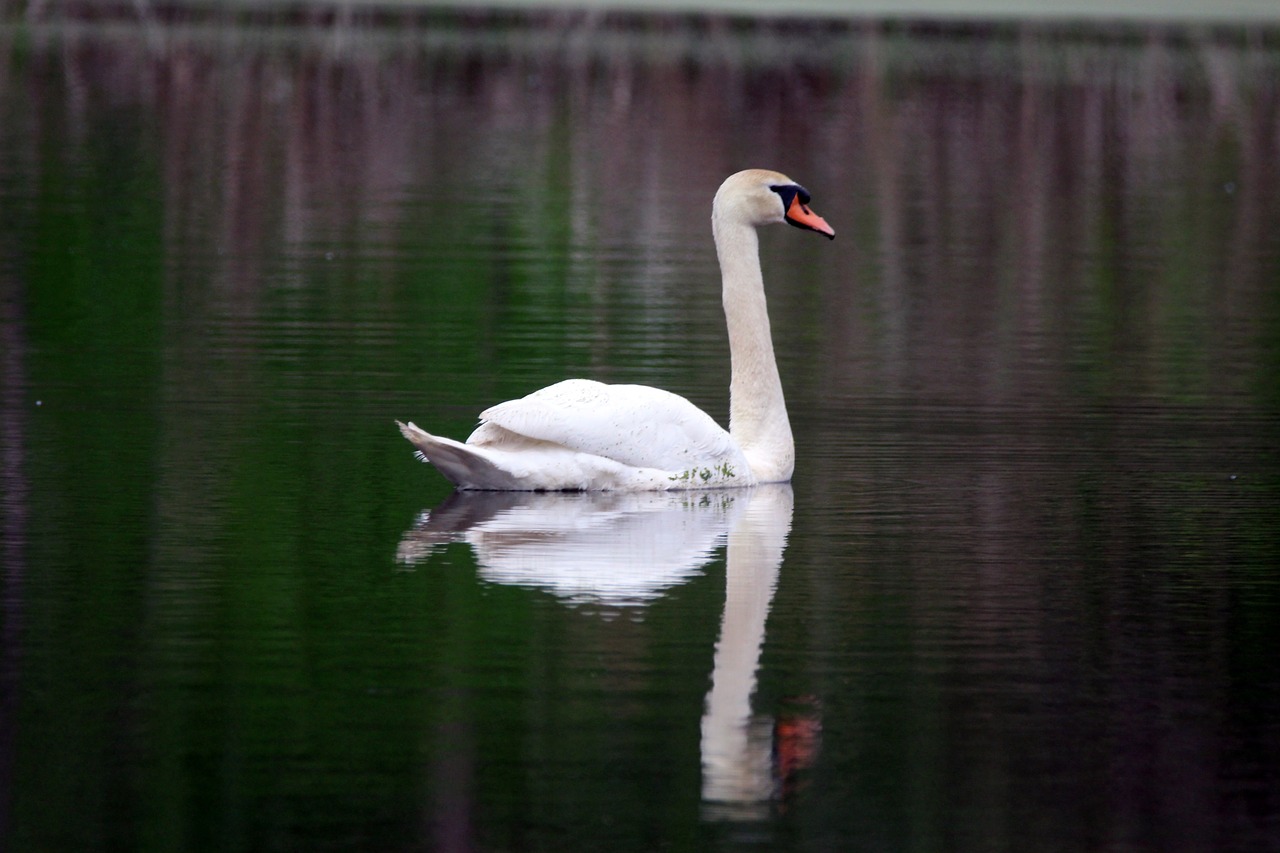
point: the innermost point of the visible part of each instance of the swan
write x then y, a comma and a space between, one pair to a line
583, 435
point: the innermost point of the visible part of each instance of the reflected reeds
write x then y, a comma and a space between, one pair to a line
1007, 186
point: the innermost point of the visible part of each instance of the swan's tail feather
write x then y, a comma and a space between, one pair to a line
464, 465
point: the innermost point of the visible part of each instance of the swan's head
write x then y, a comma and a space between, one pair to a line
761, 197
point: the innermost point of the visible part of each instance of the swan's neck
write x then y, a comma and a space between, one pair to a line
757, 411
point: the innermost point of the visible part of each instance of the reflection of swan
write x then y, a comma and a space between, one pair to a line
625, 550
613, 548
580, 434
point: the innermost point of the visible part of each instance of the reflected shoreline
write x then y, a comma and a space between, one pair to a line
954, 151
985, 44
1185, 11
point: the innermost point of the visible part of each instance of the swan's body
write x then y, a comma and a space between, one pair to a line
584, 435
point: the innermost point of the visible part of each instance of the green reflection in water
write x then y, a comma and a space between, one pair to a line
1021, 581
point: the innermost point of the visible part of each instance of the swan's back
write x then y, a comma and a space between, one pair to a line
634, 425
585, 435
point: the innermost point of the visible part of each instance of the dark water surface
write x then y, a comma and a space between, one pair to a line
1023, 592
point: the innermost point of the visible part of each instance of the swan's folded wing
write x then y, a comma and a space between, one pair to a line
633, 424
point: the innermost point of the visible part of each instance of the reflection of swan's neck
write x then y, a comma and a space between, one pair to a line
757, 410
736, 756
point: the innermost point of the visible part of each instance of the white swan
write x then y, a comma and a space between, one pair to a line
584, 435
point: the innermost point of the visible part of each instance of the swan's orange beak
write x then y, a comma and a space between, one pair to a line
801, 216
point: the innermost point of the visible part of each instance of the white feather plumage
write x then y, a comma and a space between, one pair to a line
585, 435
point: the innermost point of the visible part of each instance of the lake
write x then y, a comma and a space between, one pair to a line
1023, 592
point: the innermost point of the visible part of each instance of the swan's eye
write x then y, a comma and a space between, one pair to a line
789, 192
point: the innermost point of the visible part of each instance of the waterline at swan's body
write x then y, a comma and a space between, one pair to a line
581, 434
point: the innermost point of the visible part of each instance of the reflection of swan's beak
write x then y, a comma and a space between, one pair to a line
797, 736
